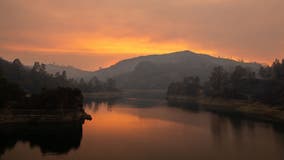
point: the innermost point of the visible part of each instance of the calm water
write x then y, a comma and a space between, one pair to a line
148, 130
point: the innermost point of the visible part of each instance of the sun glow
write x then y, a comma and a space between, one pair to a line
109, 45
129, 45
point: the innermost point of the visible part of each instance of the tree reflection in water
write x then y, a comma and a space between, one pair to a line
94, 103
57, 138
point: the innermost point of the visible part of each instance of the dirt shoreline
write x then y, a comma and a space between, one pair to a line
9, 116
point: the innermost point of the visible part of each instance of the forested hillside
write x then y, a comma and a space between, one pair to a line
33, 80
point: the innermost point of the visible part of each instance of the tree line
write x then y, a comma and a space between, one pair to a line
36, 78
266, 85
33, 85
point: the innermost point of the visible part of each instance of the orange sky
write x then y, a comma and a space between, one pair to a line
92, 33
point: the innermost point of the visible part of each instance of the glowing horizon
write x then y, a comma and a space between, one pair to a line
89, 34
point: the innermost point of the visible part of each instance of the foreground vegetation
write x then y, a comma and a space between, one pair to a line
54, 105
258, 95
34, 79
34, 95
18, 81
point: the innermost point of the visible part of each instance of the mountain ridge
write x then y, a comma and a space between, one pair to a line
72, 72
158, 70
174, 57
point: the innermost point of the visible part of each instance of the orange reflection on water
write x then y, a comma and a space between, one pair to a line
123, 121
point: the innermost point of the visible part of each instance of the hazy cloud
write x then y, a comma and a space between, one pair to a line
245, 29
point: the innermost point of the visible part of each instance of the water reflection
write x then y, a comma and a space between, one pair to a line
163, 132
151, 129
92, 101
231, 129
49, 138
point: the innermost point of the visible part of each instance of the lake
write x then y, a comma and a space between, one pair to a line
135, 129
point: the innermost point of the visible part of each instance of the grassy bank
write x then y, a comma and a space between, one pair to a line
249, 109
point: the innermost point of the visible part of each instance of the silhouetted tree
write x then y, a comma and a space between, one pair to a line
238, 77
265, 72
278, 69
42, 69
18, 63
17, 81
110, 84
241, 83
218, 81
64, 75
36, 67
9, 91
189, 86
33, 80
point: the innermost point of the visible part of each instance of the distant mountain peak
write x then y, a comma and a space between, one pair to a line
182, 52
157, 71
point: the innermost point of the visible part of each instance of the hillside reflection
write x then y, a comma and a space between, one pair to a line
224, 127
49, 138
146, 129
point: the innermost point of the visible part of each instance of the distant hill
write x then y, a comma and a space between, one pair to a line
157, 71
71, 71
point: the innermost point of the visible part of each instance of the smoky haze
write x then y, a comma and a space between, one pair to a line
246, 29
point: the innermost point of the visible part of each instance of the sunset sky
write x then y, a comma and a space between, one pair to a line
92, 33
